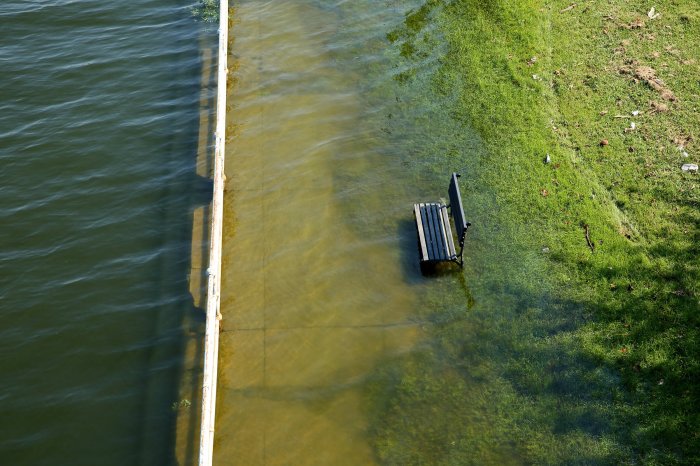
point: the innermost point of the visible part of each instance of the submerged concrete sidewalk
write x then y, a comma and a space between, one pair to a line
310, 307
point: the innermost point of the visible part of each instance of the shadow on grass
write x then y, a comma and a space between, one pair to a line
648, 332
523, 377
519, 375
502, 382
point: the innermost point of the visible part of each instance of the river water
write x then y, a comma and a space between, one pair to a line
99, 118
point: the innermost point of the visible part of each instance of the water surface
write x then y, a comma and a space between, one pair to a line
317, 288
99, 116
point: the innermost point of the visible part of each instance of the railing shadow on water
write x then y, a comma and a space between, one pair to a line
175, 382
187, 424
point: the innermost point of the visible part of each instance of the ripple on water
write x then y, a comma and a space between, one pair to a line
98, 132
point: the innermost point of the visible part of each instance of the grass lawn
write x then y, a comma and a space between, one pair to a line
609, 92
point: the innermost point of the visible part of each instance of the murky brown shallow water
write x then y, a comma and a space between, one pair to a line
317, 288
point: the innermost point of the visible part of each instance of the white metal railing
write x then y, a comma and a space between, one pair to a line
211, 339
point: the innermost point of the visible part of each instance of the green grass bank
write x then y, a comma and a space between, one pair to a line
596, 362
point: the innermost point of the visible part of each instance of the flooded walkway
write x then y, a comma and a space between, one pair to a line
316, 287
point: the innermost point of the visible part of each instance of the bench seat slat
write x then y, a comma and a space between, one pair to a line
452, 252
437, 233
424, 230
435, 254
421, 233
433, 239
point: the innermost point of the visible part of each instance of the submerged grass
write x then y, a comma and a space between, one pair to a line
207, 11
583, 346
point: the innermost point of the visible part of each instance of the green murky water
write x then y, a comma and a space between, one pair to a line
99, 114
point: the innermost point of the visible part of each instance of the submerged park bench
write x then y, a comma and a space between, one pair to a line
435, 239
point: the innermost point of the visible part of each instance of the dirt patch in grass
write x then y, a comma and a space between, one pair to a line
647, 74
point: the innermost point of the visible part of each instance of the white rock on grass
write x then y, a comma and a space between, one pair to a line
690, 167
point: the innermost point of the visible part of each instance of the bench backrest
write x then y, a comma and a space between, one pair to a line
457, 210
